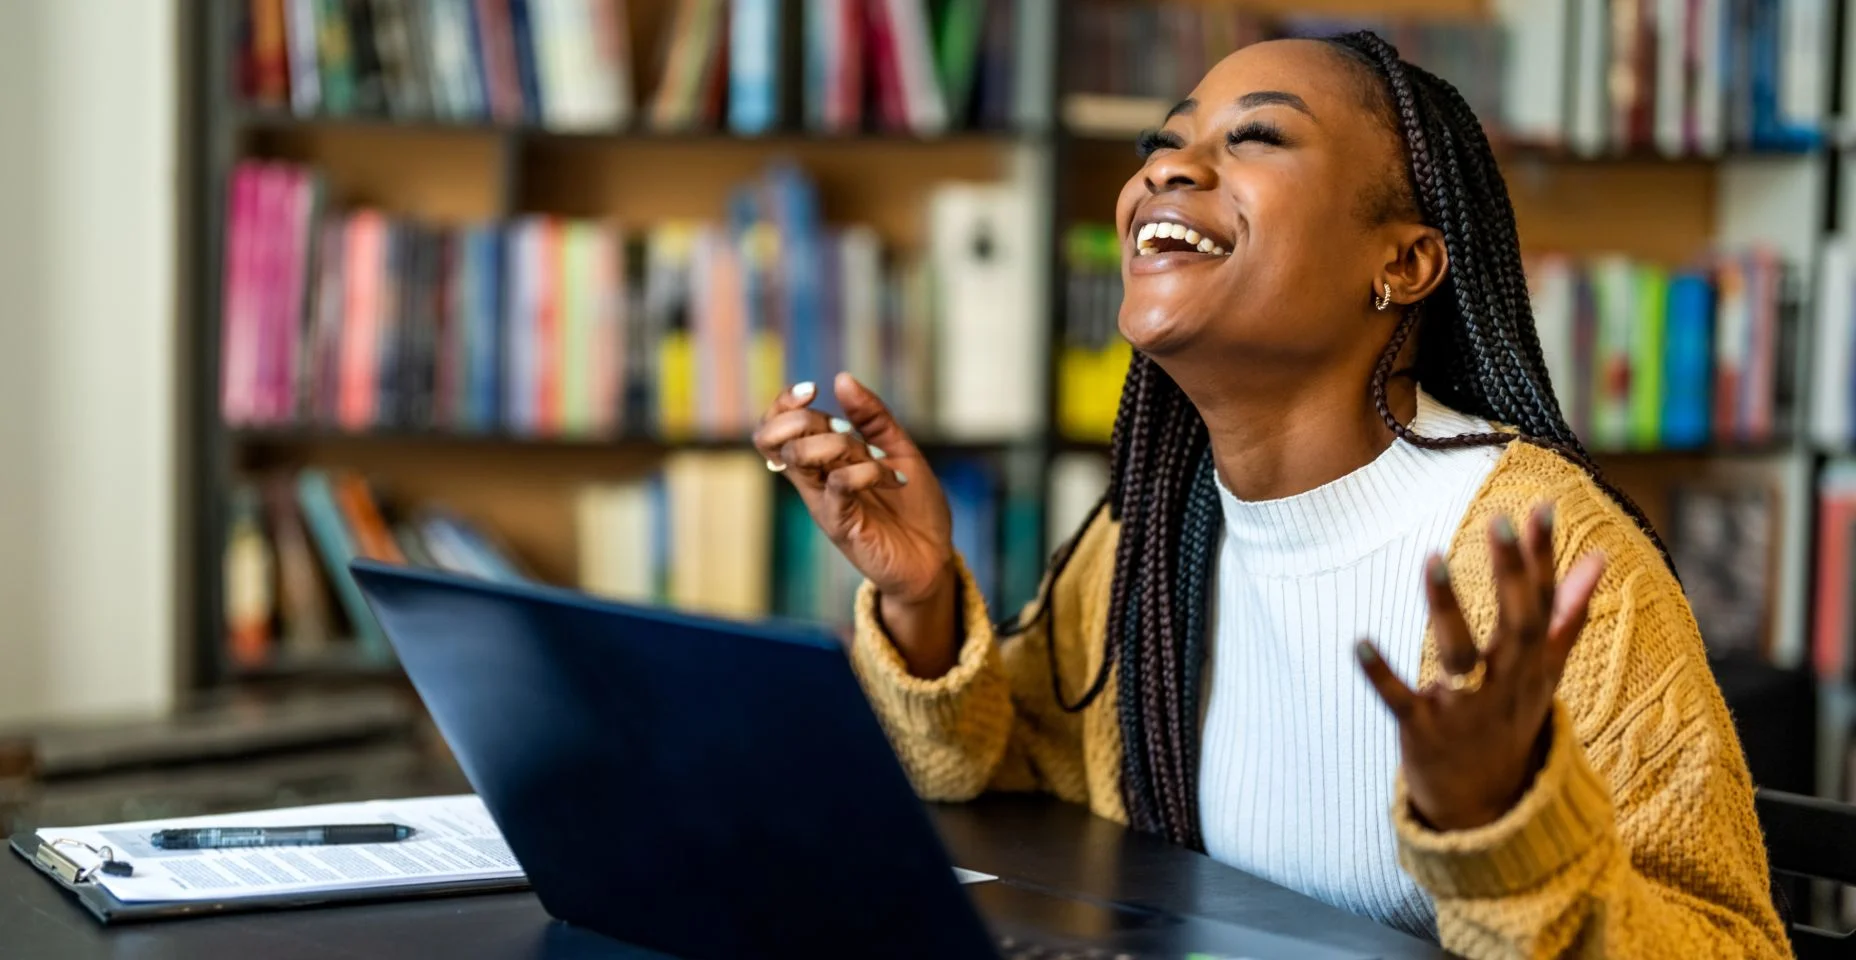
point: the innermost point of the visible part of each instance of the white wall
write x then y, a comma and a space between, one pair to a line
89, 102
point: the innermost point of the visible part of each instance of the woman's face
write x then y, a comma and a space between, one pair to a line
1272, 170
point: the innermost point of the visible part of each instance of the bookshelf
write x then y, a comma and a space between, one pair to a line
1637, 202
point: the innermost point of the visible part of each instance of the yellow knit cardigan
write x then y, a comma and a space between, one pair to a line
1637, 838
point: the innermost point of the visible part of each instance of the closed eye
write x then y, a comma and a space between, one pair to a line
1259, 132
1152, 140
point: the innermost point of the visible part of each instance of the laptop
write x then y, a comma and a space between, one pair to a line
707, 788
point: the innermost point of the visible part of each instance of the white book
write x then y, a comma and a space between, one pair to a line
549, 27
1077, 482
300, 40
1591, 102
860, 302
1708, 97
613, 527
1556, 305
1832, 353
990, 333
1534, 91
1804, 62
1671, 114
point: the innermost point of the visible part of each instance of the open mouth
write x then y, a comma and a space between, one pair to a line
1175, 236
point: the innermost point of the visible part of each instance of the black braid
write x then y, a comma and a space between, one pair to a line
1477, 352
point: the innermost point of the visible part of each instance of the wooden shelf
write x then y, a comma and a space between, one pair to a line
269, 121
289, 436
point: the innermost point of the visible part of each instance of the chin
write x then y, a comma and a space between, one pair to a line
1158, 329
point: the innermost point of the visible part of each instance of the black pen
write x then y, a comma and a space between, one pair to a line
226, 838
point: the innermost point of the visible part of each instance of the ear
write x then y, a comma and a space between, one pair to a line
1418, 264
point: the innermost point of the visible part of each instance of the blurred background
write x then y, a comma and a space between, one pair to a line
500, 286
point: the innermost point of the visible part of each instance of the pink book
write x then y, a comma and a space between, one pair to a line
293, 268
549, 293
266, 274
360, 341
1762, 358
235, 323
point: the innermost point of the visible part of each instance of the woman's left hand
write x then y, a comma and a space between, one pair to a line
1472, 742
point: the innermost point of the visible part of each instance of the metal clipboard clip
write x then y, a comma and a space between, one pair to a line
70, 871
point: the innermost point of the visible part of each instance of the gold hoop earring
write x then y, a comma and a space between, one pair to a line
1380, 303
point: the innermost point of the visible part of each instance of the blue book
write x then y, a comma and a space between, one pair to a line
970, 496
335, 545
753, 66
521, 27
482, 303
479, 61
794, 198
1688, 360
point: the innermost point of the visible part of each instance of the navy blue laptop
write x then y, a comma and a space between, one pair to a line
711, 789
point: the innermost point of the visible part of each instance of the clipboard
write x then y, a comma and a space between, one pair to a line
107, 909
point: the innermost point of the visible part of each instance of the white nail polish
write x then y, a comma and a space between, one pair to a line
840, 425
902, 478
804, 391
876, 453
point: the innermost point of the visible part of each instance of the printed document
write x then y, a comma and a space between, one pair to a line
456, 842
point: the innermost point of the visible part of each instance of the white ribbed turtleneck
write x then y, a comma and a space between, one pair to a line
1298, 755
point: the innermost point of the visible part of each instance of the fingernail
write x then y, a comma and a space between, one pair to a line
1438, 571
1364, 650
876, 453
902, 478
840, 426
1504, 530
804, 391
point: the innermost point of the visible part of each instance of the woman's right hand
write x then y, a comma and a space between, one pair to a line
873, 495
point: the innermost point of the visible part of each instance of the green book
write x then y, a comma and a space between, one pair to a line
335, 55
957, 54
1651, 303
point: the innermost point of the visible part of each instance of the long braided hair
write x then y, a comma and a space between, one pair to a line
1477, 352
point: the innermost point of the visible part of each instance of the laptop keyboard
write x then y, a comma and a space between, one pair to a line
1018, 948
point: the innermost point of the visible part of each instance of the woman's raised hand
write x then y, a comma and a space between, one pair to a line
1472, 742
871, 491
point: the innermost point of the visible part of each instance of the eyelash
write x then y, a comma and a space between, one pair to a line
1153, 140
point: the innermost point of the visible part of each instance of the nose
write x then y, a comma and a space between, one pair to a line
1179, 170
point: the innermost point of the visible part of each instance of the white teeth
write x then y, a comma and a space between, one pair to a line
1179, 231
1219, 251
1205, 244
1144, 249
1147, 232
1192, 237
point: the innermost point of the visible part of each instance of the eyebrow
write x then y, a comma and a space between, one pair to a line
1250, 101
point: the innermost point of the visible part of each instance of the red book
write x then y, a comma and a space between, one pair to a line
885, 61
363, 283
1829, 644
496, 50
549, 405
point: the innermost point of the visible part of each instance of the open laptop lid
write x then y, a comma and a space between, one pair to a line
697, 786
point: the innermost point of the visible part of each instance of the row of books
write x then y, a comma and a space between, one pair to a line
1092, 358
288, 592
563, 64
1120, 56
1680, 77
710, 533
553, 327
1646, 358
835, 66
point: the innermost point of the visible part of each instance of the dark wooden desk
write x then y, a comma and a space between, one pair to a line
1040, 841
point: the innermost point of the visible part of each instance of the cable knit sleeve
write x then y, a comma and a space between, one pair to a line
993, 722
1638, 837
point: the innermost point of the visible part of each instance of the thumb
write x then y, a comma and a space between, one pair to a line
867, 412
